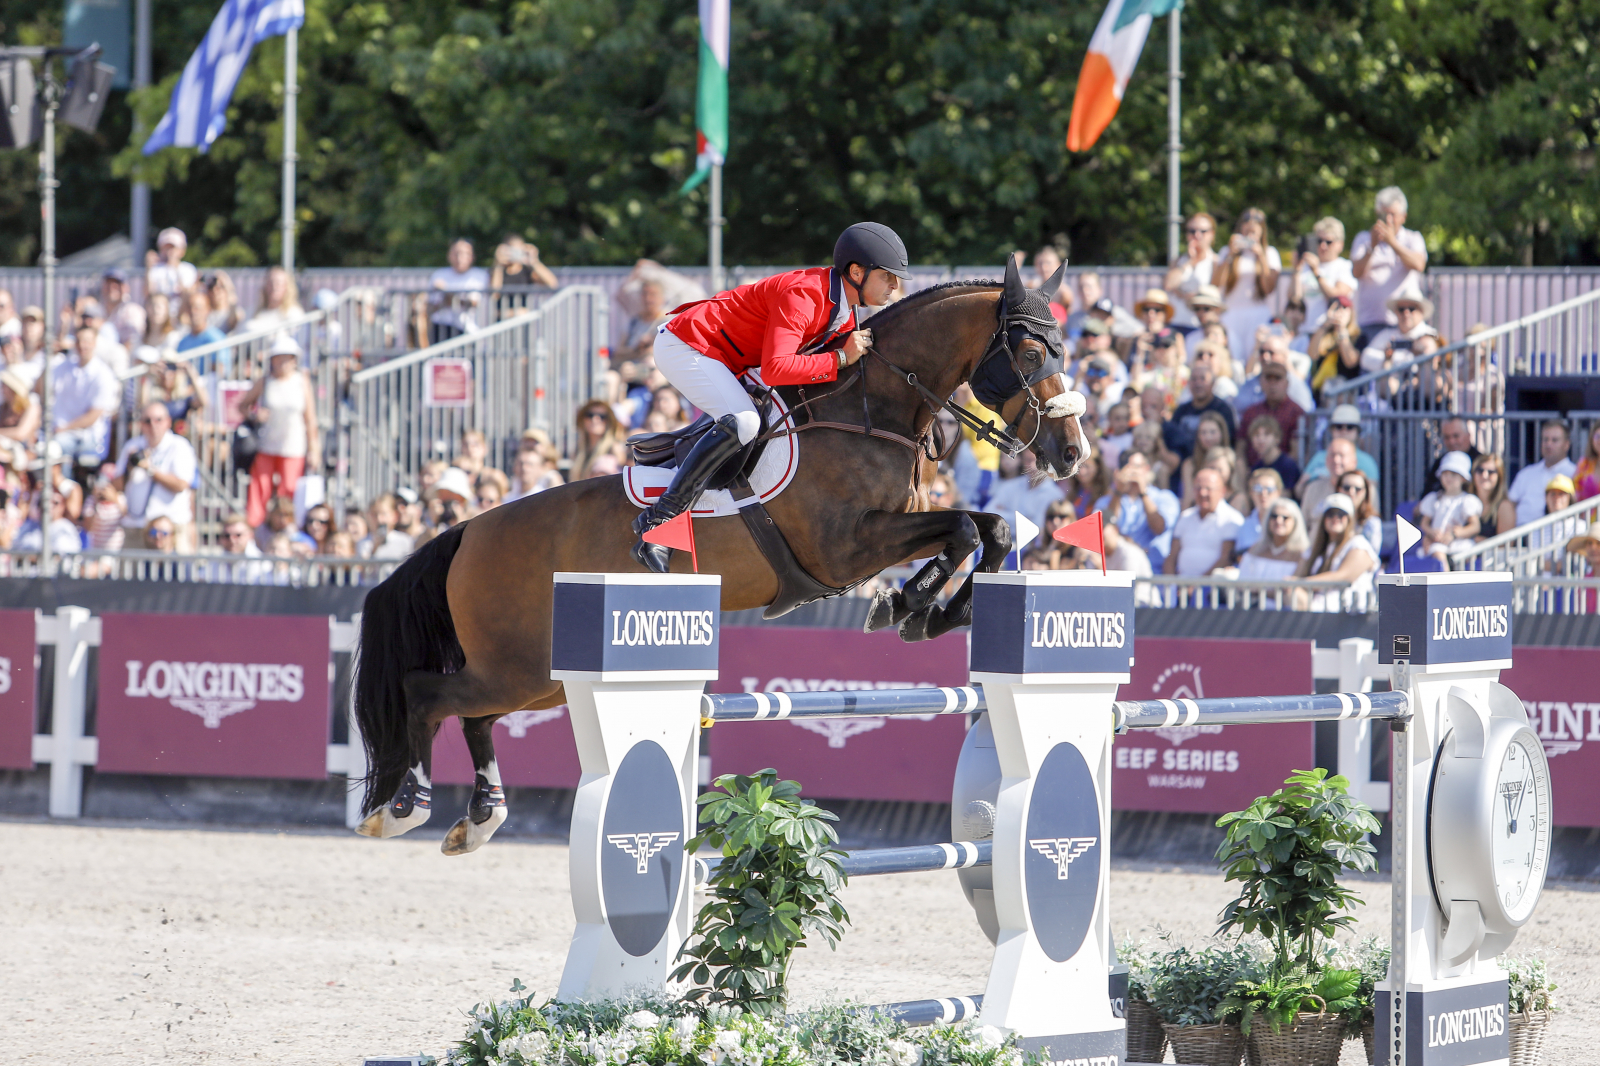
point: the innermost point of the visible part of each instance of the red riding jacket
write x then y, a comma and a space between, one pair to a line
772, 323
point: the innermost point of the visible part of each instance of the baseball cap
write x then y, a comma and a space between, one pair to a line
1559, 483
33, 311
1104, 306
1097, 368
1457, 463
407, 495
172, 235
1096, 326
1206, 296
1337, 501
115, 274
1346, 414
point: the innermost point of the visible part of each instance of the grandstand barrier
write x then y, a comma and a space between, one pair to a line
1049, 650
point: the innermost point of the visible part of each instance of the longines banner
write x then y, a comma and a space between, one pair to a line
1211, 768
1560, 687
874, 758
214, 695
17, 690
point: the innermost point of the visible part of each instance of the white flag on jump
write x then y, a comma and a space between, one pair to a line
199, 109
1026, 532
1408, 535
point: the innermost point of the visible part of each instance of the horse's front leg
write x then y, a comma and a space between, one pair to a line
996, 534
907, 535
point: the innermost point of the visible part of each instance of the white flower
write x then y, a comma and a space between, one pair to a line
684, 1029
904, 1053
643, 1019
991, 1037
727, 1040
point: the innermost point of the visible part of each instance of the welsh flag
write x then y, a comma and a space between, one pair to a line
711, 99
1113, 53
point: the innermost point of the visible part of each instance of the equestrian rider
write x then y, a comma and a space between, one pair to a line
799, 328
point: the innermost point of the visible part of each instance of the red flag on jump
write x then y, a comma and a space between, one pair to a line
1087, 533
676, 533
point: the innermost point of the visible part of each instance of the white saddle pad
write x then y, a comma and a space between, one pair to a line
773, 472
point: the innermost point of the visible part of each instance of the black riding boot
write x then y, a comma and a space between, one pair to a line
719, 444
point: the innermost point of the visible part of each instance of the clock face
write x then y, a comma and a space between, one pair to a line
1521, 840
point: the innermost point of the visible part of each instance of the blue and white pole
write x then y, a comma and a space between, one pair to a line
634, 652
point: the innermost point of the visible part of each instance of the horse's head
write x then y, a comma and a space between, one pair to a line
1021, 376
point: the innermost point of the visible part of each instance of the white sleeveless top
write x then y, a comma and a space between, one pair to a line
284, 432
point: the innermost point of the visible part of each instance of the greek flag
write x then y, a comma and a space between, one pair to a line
199, 108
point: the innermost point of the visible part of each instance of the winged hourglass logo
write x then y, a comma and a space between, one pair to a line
640, 846
1062, 850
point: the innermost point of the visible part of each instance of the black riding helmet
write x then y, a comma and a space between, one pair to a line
875, 247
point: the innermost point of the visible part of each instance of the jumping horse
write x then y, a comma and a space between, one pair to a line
462, 627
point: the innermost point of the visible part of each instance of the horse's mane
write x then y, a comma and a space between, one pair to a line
892, 313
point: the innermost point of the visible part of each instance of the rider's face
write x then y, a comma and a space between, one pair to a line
879, 288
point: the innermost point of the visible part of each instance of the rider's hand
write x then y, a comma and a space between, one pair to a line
856, 346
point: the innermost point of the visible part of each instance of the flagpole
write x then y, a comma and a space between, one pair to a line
1174, 145
715, 244
291, 89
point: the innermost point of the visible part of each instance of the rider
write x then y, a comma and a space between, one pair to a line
799, 328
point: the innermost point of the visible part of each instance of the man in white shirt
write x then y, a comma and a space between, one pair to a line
1527, 490
155, 471
109, 350
85, 396
1204, 537
169, 275
1384, 258
1393, 344
458, 290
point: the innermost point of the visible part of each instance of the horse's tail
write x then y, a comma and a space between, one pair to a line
405, 626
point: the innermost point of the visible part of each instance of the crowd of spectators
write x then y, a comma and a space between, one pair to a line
1201, 401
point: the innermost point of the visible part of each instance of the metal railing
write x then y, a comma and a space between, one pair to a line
1556, 595
533, 370
1220, 592
216, 569
1537, 549
1469, 375
1405, 444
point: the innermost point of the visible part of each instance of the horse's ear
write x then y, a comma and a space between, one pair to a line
1015, 291
1049, 289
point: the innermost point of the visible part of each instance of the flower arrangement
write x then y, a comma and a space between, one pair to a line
656, 1030
1530, 984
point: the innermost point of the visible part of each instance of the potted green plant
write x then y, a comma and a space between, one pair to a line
1530, 1005
1147, 1041
778, 881
1286, 851
1187, 988
1369, 958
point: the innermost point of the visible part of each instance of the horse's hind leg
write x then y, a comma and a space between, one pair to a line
486, 811
913, 606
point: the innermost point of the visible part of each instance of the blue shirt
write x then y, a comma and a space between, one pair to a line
1250, 394
1133, 524
209, 335
1248, 534
1318, 466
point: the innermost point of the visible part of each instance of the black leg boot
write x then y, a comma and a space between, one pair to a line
719, 444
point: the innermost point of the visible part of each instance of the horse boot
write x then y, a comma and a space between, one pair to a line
715, 447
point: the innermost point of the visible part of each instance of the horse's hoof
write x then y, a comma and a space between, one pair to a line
467, 836
915, 627
382, 823
946, 621
882, 612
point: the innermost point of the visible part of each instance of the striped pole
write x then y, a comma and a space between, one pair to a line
851, 703
959, 856
930, 1011
1259, 710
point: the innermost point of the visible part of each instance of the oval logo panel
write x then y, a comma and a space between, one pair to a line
641, 863
1061, 863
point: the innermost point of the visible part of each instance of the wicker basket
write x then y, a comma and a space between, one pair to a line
1369, 1037
1205, 1045
1527, 1037
1313, 1040
1147, 1042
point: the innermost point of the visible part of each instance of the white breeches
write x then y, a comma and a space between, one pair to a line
706, 382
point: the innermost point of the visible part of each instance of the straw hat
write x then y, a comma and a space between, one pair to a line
1206, 296
1585, 541
1411, 293
1154, 298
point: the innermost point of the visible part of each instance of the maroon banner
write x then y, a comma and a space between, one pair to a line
534, 749
873, 758
1211, 769
217, 695
18, 689
1560, 687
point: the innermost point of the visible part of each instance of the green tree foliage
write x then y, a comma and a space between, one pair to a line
571, 121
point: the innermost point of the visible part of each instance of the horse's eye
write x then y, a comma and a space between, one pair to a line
1031, 356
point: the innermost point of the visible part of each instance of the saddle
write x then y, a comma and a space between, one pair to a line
796, 586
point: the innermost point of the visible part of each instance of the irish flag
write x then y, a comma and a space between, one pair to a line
711, 100
1113, 53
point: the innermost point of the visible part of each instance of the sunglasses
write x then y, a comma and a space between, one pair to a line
1280, 518
314, 521
1196, 232
590, 416
1407, 309
161, 533
1352, 488
1346, 428
488, 501
1489, 470
1336, 515
1327, 240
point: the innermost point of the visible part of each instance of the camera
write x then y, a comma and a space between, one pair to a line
1307, 243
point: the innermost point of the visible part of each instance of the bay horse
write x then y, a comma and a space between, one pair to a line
462, 627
